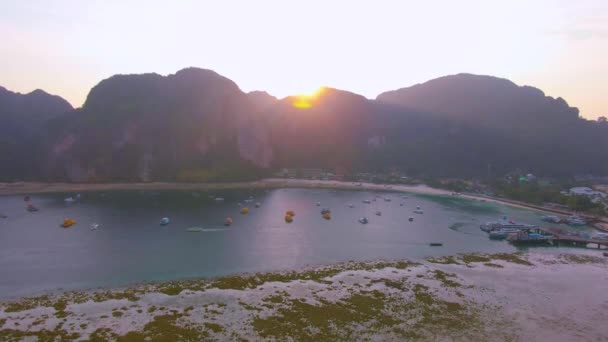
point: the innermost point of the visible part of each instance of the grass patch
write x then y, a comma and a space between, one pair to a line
581, 259
445, 280
216, 328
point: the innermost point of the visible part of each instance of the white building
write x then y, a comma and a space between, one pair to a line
596, 196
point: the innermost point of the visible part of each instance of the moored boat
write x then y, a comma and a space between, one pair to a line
551, 218
504, 224
68, 222
164, 221
575, 220
363, 220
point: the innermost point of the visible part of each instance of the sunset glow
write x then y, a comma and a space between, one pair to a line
304, 101
367, 47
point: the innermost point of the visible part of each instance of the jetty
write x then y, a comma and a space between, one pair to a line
555, 237
574, 239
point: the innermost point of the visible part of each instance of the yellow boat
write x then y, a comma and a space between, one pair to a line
245, 211
68, 223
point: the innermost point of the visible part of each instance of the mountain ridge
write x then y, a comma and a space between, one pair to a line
197, 125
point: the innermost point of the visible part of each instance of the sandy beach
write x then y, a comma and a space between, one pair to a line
500, 297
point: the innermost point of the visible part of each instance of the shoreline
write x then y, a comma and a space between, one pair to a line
23, 188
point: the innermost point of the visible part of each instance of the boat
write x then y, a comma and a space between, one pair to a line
351, 205
386, 199
219, 199
504, 224
363, 220
418, 211
499, 234
325, 211
2, 216
288, 218
290, 213
436, 244
164, 221
401, 204
245, 211
530, 236
600, 236
69, 200
378, 213
228, 221
327, 216
575, 220
68, 222
551, 218
31, 208
258, 204
249, 200
411, 219
318, 204
195, 229
367, 201
94, 226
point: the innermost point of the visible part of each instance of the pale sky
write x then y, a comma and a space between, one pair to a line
286, 47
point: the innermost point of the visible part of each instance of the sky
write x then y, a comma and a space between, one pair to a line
290, 47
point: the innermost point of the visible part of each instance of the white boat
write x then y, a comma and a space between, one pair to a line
551, 218
69, 200
258, 204
575, 220
363, 220
504, 224
249, 200
600, 236
418, 211
94, 226
219, 199
195, 229
164, 221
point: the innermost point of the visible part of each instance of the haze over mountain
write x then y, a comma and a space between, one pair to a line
23, 117
196, 125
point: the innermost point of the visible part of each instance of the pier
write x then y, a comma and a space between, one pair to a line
573, 239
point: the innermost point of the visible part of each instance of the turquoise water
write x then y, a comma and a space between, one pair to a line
37, 255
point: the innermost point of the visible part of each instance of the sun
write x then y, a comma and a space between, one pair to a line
306, 100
